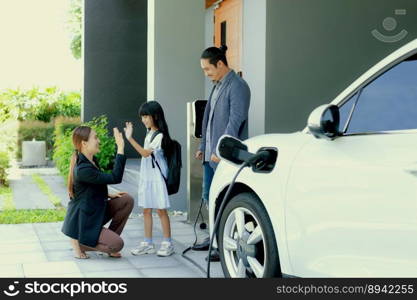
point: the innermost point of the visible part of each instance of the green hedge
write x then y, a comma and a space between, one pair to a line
8, 136
63, 147
4, 165
8, 141
41, 131
64, 123
38, 104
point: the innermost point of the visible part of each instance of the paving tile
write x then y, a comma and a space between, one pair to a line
18, 233
21, 247
22, 258
28, 244
198, 257
48, 232
58, 187
152, 260
99, 264
169, 273
56, 245
114, 274
51, 269
27, 195
60, 255
66, 275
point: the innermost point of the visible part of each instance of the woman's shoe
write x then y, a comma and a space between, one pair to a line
115, 255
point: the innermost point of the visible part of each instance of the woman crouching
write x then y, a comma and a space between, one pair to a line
91, 207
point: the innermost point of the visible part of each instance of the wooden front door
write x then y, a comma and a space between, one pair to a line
228, 30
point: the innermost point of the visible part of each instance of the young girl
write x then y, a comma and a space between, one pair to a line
152, 188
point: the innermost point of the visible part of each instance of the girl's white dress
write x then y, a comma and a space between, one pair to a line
152, 191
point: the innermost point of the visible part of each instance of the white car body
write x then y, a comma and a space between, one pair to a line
339, 208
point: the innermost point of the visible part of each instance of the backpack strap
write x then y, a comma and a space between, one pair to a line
154, 161
154, 135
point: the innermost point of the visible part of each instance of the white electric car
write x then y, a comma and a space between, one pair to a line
340, 200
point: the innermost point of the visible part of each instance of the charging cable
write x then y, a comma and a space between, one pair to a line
199, 214
257, 161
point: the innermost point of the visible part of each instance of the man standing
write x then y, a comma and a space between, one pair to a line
226, 112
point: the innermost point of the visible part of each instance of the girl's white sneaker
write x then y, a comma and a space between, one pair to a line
166, 249
144, 248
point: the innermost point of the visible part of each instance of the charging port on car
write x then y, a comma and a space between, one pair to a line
268, 164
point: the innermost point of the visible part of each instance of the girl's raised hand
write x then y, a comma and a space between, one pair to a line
128, 130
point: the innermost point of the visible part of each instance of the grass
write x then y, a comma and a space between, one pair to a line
32, 216
7, 196
44, 187
10, 215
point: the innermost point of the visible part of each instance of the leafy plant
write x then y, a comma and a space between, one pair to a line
63, 150
8, 137
107, 144
4, 165
64, 123
63, 147
38, 104
74, 27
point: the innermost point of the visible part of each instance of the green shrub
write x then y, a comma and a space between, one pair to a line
64, 123
7, 110
63, 150
39, 104
63, 147
107, 144
8, 137
74, 25
69, 105
4, 165
40, 131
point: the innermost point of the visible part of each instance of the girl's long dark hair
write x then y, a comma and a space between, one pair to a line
154, 109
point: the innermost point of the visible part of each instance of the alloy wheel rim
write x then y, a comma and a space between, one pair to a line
244, 244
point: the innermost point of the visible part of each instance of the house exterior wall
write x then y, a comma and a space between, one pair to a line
178, 39
115, 58
315, 49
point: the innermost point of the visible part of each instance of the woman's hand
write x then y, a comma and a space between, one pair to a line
128, 130
120, 142
117, 195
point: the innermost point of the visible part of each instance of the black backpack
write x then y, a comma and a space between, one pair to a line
174, 163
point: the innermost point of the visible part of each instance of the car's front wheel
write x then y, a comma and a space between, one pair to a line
247, 243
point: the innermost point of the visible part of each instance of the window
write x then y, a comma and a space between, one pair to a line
387, 103
345, 110
223, 30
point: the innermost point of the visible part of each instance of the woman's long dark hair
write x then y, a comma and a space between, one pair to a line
154, 109
81, 133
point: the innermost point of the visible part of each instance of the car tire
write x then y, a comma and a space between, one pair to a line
246, 241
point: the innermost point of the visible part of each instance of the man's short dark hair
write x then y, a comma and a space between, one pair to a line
214, 55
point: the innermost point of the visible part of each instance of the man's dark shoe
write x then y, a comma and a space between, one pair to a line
204, 246
214, 256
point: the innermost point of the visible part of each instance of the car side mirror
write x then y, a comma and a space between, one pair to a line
324, 122
229, 148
